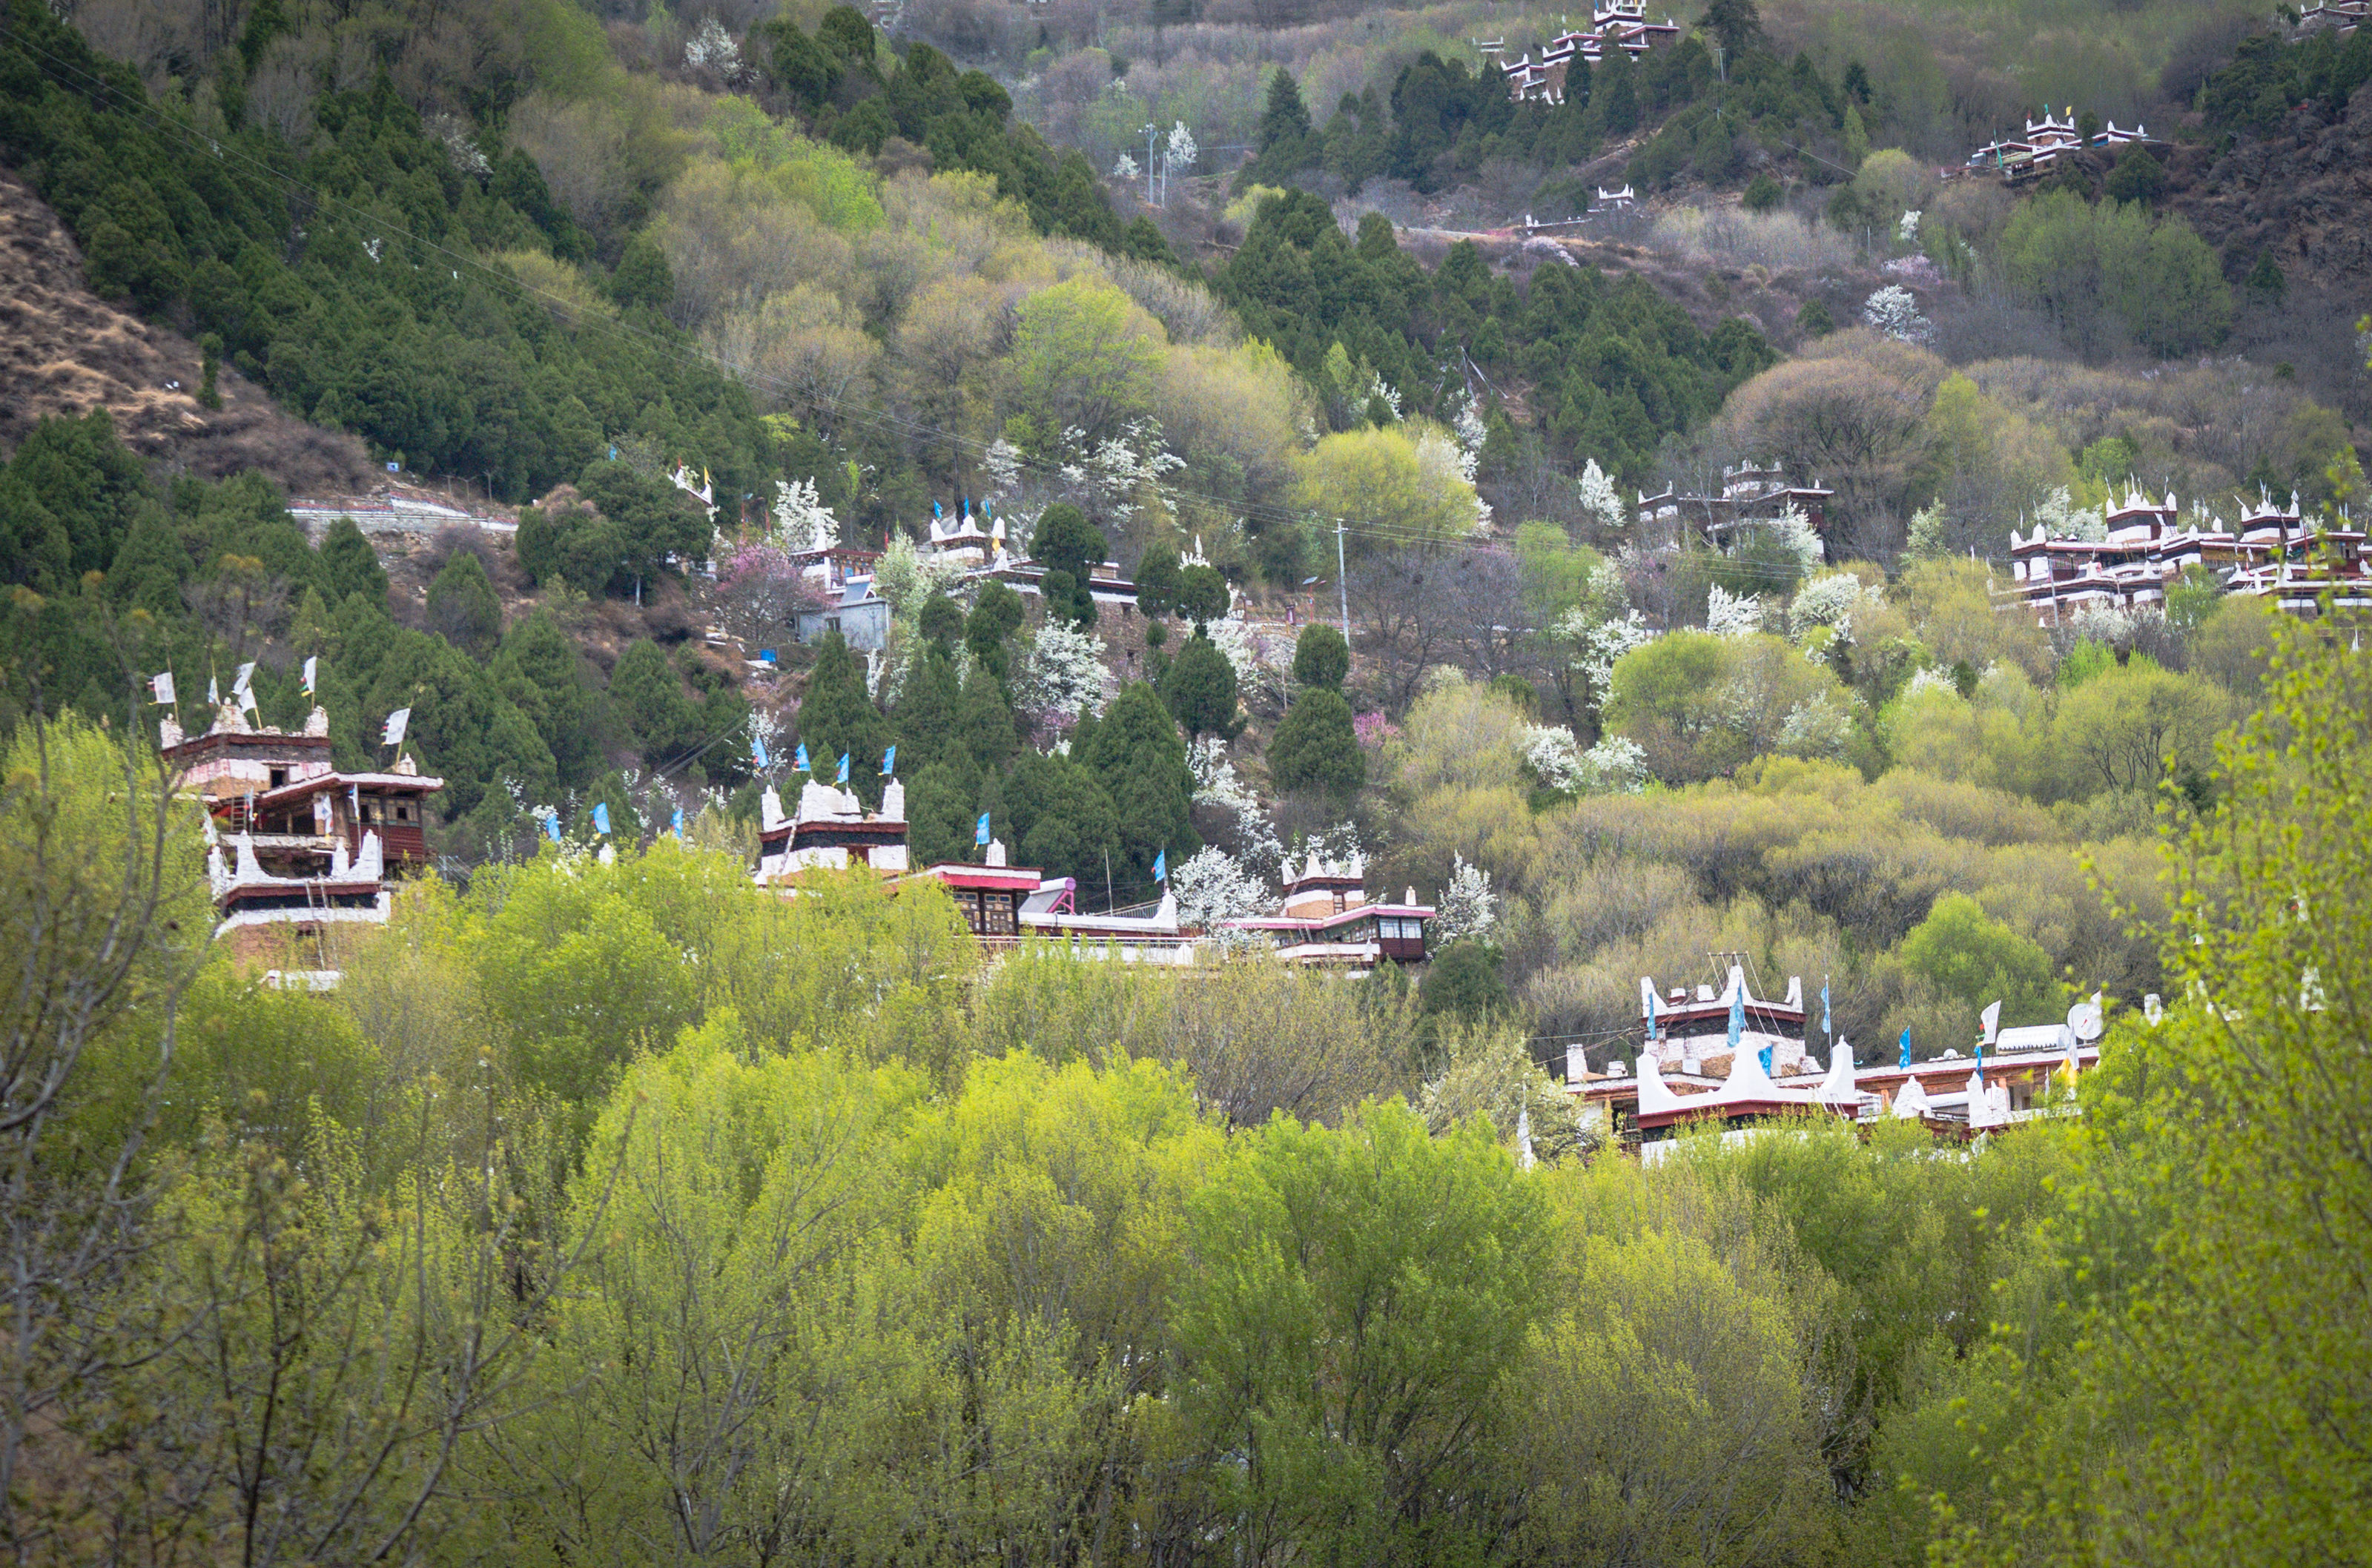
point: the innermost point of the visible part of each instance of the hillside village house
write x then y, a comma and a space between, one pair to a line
1613, 24
1687, 1072
1750, 493
2147, 547
298, 849
2029, 156
1326, 919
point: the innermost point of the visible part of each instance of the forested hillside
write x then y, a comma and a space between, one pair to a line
610, 1208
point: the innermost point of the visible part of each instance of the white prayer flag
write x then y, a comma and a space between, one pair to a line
213, 692
239, 682
310, 663
1993, 1022
245, 696
396, 722
160, 688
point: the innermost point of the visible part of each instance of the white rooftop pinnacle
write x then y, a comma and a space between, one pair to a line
770, 807
893, 801
996, 852
1910, 1100
371, 865
1655, 1095
1837, 1089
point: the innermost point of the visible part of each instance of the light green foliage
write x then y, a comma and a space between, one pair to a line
1702, 705
1084, 357
1358, 1296
1401, 485
2175, 1372
2103, 269
1978, 960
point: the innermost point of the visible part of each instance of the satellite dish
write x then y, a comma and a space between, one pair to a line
2084, 1020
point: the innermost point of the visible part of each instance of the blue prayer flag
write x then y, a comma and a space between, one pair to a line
552, 826
601, 817
1766, 1060
1906, 1049
1824, 1008
1651, 1017
678, 821
980, 830
800, 761
1161, 867
843, 769
890, 763
757, 751
1736, 1013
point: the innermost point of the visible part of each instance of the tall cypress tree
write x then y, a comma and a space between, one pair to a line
837, 718
924, 719
1136, 753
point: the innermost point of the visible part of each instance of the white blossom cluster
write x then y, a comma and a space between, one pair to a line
461, 143
1907, 230
1467, 907
1815, 728
1181, 149
801, 521
1124, 169
711, 48
1065, 672
2111, 626
1218, 786
1258, 673
1929, 680
1468, 427
1439, 455
1795, 533
1599, 500
1613, 766
2061, 518
907, 578
1214, 888
1002, 462
1827, 601
1600, 645
1894, 310
1733, 615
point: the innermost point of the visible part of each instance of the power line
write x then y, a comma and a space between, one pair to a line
881, 420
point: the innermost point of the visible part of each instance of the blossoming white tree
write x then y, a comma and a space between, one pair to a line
1600, 503
1065, 672
1467, 907
1214, 888
1894, 310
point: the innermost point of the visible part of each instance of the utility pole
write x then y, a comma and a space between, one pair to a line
1343, 584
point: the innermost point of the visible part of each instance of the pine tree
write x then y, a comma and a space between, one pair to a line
351, 565
1200, 689
1068, 547
984, 726
1135, 753
462, 606
1320, 657
837, 718
649, 700
542, 674
1316, 748
924, 719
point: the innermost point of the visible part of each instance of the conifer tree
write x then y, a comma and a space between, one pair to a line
837, 718
1135, 753
925, 717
